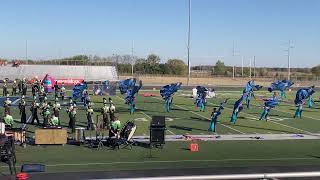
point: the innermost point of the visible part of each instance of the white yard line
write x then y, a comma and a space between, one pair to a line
289, 112
204, 117
294, 113
28, 120
15, 101
176, 161
151, 118
148, 116
274, 122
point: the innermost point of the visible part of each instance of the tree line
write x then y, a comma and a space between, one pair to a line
152, 65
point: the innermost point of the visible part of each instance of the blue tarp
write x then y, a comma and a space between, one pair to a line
105, 89
78, 89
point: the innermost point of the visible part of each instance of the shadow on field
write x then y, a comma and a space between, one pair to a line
175, 109
199, 119
313, 156
268, 129
185, 128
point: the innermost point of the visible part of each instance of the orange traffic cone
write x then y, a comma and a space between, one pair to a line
194, 147
22, 176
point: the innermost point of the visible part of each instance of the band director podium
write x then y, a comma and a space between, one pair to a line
51, 136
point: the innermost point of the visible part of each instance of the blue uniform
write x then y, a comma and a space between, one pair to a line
248, 98
268, 105
167, 93
214, 117
301, 96
201, 99
282, 86
236, 109
310, 102
130, 88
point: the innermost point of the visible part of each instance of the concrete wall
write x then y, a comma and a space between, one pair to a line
89, 73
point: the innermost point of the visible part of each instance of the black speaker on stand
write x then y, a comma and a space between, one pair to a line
157, 131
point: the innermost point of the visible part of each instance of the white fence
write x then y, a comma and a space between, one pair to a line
88, 73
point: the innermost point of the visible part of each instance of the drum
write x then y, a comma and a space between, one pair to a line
79, 134
128, 130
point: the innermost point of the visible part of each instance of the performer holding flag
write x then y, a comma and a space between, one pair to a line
214, 116
201, 97
237, 108
282, 86
248, 98
130, 88
268, 105
310, 102
301, 96
167, 93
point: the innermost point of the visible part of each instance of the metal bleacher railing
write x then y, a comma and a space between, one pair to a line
88, 73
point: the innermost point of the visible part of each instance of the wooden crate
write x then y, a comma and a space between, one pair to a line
51, 136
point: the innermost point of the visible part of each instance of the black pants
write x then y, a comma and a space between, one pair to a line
73, 124
35, 117
45, 121
24, 92
56, 114
106, 122
14, 91
23, 117
4, 92
90, 123
70, 121
7, 110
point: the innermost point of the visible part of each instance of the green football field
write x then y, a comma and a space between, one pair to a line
186, 119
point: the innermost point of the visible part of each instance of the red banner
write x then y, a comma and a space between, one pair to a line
70, 81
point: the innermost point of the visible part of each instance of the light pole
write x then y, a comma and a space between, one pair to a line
26, 51
189, 27
288, 56
132, 59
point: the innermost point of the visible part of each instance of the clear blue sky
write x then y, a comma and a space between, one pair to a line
259, 28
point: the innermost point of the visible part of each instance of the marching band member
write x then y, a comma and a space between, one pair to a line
62, 92
24, 87
56, 108
8, 120
22, 107
5, 88
56, 89
34, 110
90, 125
115, 127
14, 88
104, 112
54, 121
7, 105
45, 111
112, 110
72, 116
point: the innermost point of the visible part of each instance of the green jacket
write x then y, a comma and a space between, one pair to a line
8, 120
